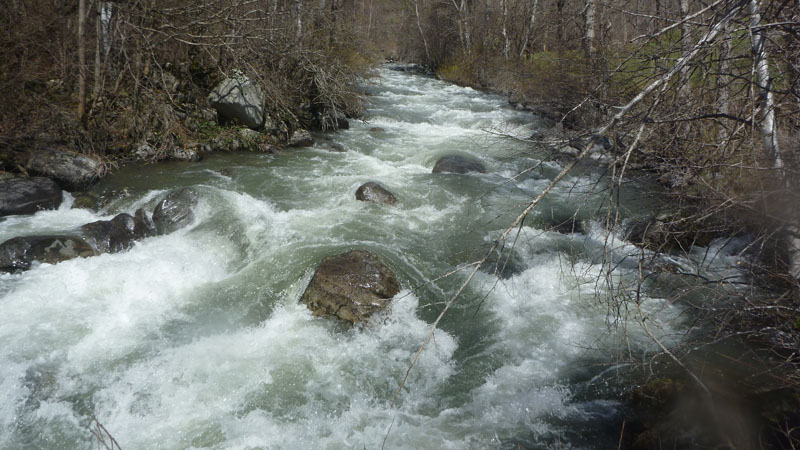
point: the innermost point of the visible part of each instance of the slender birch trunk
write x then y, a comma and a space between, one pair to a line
467, 30
98, 51
768, 126
529, 29
506, 42
298, 6
686, 46
422, 33
81, 59
589, 36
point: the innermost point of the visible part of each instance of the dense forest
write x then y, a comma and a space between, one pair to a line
703, 97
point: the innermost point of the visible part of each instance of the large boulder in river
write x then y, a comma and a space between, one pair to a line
176, 210
458, 164
28, 195
239, 100
20, 252
374, 192
119, 233
351, 286
71, 170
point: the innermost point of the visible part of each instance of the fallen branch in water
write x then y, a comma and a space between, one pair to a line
104, 438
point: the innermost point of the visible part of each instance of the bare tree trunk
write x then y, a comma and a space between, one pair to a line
369, 23
298, 6
422, 33
768, 126
560, 32
460, 23
99, 45
529, 29
686, 46
506, 42
589, 20
467, 32
81, 59
724, 73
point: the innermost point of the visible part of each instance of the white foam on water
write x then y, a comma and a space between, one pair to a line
293, 380
48, 221
98, 335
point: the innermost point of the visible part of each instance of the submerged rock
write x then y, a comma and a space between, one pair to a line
85, 201
351, 286
28, 195
119, 233
503, 263
239, 100
458, 164
563, 223
71, 170
19, 253
335, 147
176, 210
374, 192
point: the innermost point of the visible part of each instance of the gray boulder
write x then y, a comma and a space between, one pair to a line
374, 192
301, 138
458, 164
19, 253
351, 286
71, 170
119, 233
184, 154
146, 152
176, 210
28, 195
239, 100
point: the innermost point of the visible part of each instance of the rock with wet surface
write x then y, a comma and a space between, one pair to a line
375, 193
458, 164
119, 233
28, 195
351, 286
239, 100
176, 210
73, 171
19, 253
301, 138
563, 223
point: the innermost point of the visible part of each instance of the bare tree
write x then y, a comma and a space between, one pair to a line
82, 59
763, 81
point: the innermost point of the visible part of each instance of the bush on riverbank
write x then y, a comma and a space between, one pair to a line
140, 73
719, 134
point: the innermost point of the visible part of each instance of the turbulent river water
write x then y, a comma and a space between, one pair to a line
196, 339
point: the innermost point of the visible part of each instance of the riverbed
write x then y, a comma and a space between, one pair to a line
196, 339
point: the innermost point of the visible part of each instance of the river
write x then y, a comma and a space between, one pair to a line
196, 339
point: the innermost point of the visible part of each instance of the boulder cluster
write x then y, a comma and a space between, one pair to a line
28, 195
355, 285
